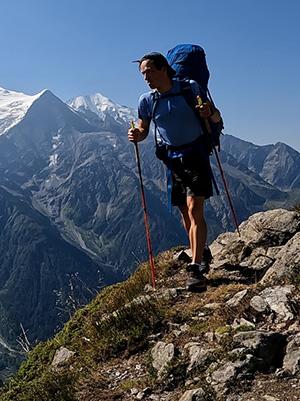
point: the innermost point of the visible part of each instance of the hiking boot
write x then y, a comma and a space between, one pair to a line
196, 282
203, 267
206, 257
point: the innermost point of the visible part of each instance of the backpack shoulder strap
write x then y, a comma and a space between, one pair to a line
188, 94
155, 99
156, 96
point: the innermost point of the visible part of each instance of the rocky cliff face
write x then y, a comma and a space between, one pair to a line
237, 341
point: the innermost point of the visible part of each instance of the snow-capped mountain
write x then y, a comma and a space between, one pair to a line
33, 127
104, 108
43, 111
13, 107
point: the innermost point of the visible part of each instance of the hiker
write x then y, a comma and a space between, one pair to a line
182, 149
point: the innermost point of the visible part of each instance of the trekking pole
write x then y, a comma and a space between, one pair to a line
151, 258
227, 190
208, 128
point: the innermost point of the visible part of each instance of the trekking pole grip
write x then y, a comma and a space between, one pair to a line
206, 122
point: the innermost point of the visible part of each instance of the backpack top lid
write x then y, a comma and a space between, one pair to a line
189, 63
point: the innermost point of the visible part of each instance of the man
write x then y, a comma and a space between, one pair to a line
181, 131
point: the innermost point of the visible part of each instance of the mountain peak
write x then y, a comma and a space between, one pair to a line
103, 107
96, 102
45, 92
282, 145
14, 106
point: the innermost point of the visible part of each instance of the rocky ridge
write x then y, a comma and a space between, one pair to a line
237, 341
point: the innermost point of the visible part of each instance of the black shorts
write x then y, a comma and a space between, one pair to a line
191, 176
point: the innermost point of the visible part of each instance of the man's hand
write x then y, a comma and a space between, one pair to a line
134, 135
208, 111
205, 110
138, 134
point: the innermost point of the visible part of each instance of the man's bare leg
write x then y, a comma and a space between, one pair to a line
185, 217
193, 220
195, 225
198, 229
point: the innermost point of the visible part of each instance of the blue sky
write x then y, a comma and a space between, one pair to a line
81, 47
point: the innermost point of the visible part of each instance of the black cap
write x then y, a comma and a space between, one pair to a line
160, 61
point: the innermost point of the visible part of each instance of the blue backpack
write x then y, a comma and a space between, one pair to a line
189, 62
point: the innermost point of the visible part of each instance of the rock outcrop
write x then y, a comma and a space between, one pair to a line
134, 343
267, 249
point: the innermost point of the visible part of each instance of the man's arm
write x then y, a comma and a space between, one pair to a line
139, 133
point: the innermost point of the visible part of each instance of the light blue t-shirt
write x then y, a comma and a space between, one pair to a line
175, 120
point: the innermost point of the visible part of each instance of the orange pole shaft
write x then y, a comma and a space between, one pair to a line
146, 222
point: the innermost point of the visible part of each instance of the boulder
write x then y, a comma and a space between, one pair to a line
258, 259
197, 394
237, 298
228, 372
225, 373
273, 227
228, 247
262, 263
242, 324
184, 255
278, 301
62, 357
287, 263
267, 346
273, 251
262, 231
258, 304
291, 361
198, 356
162, 354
